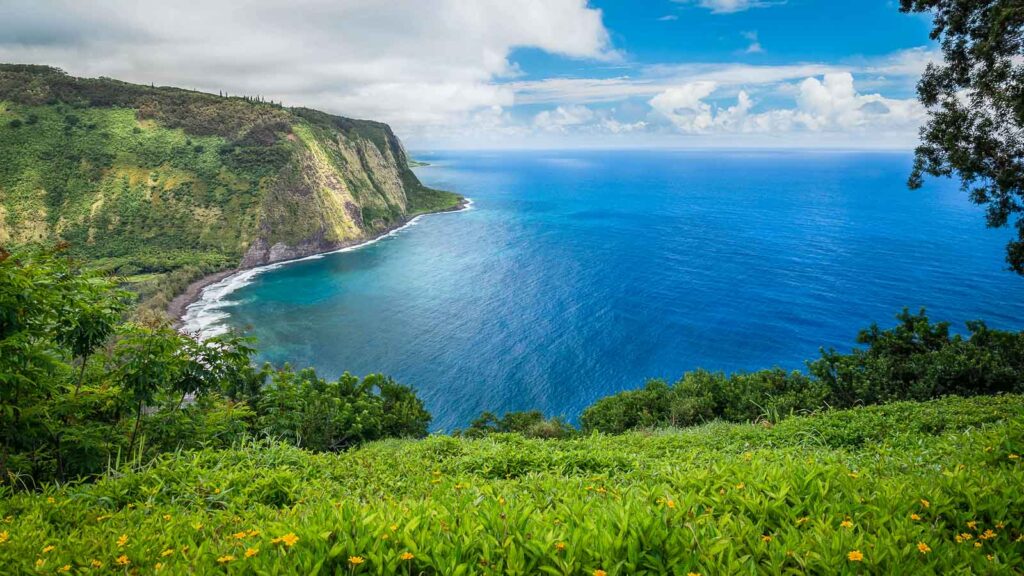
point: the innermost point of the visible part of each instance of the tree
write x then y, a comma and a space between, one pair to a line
975, 101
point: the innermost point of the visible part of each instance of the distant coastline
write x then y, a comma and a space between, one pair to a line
196, 309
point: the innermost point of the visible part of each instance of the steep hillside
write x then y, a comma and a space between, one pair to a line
145, 180
930, 488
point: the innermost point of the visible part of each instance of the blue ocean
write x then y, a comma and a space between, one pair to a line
575, 275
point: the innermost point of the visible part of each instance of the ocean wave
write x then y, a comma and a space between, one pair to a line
207, 316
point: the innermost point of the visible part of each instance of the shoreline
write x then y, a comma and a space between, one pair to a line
178, 309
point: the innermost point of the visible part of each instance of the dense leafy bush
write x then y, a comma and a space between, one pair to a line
915, 360
531, 424
80, 388
702, 396
313, 413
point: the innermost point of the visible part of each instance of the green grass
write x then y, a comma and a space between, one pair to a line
718, 499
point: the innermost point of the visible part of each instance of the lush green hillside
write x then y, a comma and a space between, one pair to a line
144, 180
900, 489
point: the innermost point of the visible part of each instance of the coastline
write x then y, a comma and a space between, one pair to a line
230, 280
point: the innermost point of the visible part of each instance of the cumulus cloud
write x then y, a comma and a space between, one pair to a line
563, 117
829, 104
409, 62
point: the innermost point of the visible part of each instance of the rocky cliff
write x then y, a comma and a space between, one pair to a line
148, 179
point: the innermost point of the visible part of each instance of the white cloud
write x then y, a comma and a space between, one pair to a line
755, 44
731, 6
830, 104
563, 117
409, 62
668, 18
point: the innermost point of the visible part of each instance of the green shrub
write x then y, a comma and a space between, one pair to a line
531, 424
81, 388
915, 360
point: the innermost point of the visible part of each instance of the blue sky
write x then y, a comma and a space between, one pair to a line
521, 73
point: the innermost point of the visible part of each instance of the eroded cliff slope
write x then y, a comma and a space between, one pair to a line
145, 180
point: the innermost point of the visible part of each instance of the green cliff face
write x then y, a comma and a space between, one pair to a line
146, 180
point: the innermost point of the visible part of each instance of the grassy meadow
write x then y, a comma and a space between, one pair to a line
905, 488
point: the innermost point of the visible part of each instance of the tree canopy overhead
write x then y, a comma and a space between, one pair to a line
976, 106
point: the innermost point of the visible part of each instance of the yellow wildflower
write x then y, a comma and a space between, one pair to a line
48, 548
925, 503
988, 535
123, 560
693, 574
122, 540
846, 523
167, 552
250, 552
600, 572
671, 504
855, 556
394, 527
253, 533
96, 563
4, 536
977, 544
560, 546
915, 517
1000, 525
923, 548
1014, 457
50, 500
406, 556
288, 539
167, 517
355, 560
64, 568
741, 486
40, 562
158, 566
384, 536
853, 475
766, 538
972, 524
225, 559
239, 535
802, 520
198, 525
990, 557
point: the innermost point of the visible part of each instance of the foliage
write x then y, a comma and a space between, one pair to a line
719, 499
81, 388
975, 98
914, 360
531, 424
316, 414
918, 360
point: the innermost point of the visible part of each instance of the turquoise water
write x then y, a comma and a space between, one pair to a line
579, 274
